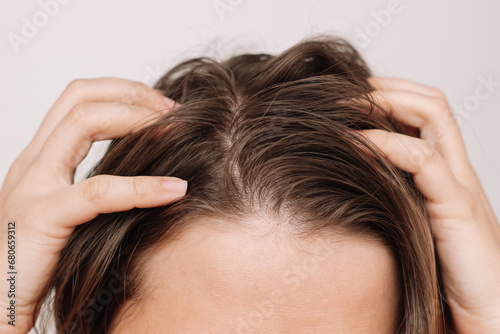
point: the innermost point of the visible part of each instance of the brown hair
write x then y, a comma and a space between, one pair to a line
256, 132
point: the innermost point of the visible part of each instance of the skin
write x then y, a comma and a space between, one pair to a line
260, 279
38, 192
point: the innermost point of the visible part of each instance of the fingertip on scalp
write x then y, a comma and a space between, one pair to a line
169, 103
174, 184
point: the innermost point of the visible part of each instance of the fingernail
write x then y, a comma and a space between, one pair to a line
168, 102
175, 185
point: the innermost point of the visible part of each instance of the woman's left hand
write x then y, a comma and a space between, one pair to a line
466, 231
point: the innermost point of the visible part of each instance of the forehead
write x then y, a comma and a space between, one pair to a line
252, 280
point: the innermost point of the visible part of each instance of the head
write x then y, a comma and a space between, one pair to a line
292, 222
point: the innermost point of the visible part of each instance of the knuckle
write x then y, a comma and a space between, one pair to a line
439, 134
442, 108
84, 117
441, 112
120, 110
79, 113
139, 92
140, 188
425, 154
76, 85
19, 164
438, 93
95, 188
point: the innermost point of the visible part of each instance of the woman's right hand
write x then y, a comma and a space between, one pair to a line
39, 204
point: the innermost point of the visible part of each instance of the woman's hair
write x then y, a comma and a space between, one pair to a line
256, 134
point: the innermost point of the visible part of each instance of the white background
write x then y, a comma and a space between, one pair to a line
447, 44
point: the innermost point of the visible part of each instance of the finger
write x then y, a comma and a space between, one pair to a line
416, 156
434, 119
85, 200
382, 83
70, 142
96, 90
